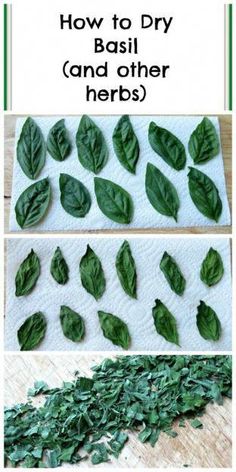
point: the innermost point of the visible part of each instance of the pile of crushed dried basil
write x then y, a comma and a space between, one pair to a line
91, 417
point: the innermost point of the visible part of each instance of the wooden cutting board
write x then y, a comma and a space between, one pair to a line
208, 447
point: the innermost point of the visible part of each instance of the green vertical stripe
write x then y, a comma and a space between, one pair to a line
230, 57
5, 78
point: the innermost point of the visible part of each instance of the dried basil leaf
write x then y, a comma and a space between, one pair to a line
126, 270
208, 323
173, 274
91, 145
91, 273
114, 329
33, 203
59, 268
204, 143
32, 332
27, 274
31, 149
72, 324
167, 145
58, 142
114, 201
212, 268
161, 192
165, 323
75, 197
126, 144
204, 194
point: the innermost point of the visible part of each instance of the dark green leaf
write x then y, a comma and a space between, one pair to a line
196, 423
39, 387
114, 329
75, 197
204, 194
114, 201
59, 268
212, 268
165, 322
58, 142
31, 149
91, 273
33, 203
161, 192
32, 332
91, 145
126, 270
126, 144
204, 142
173, 274
72, 324
167, 145
27, 274
208, 323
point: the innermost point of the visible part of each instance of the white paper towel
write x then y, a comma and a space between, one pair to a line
145, 216
47, 296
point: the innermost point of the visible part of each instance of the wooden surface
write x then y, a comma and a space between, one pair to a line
226, 139
208, 447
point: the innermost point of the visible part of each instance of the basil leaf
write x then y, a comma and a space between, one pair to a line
91, 273
165, 322
204, 143
173, 274
58, 142
126, 270
204, 194
212, 268
72, 324
33, 203
167, 145
126, 144
75, 197
91, 145
113, 201
27, 274
59, 268
31, 149
208, 323
114, 329
32, 332
161, 192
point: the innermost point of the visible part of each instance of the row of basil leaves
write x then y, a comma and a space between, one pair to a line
113, 200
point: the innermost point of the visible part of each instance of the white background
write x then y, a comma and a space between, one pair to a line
193, 46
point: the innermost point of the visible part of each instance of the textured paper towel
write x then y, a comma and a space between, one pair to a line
145, 216
48, 295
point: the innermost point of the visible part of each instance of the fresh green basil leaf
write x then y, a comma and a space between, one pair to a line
212, 268
72, 324
114, 329
161, 192
27, 274
58, 142
33, 203
126, 144
126, 270
204, 143
91, 145
167, 145
204, 194
32, 331
59, 268
165, 323
91, 273
173, 274
75, 197
31, 149
114, 201
208, 323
